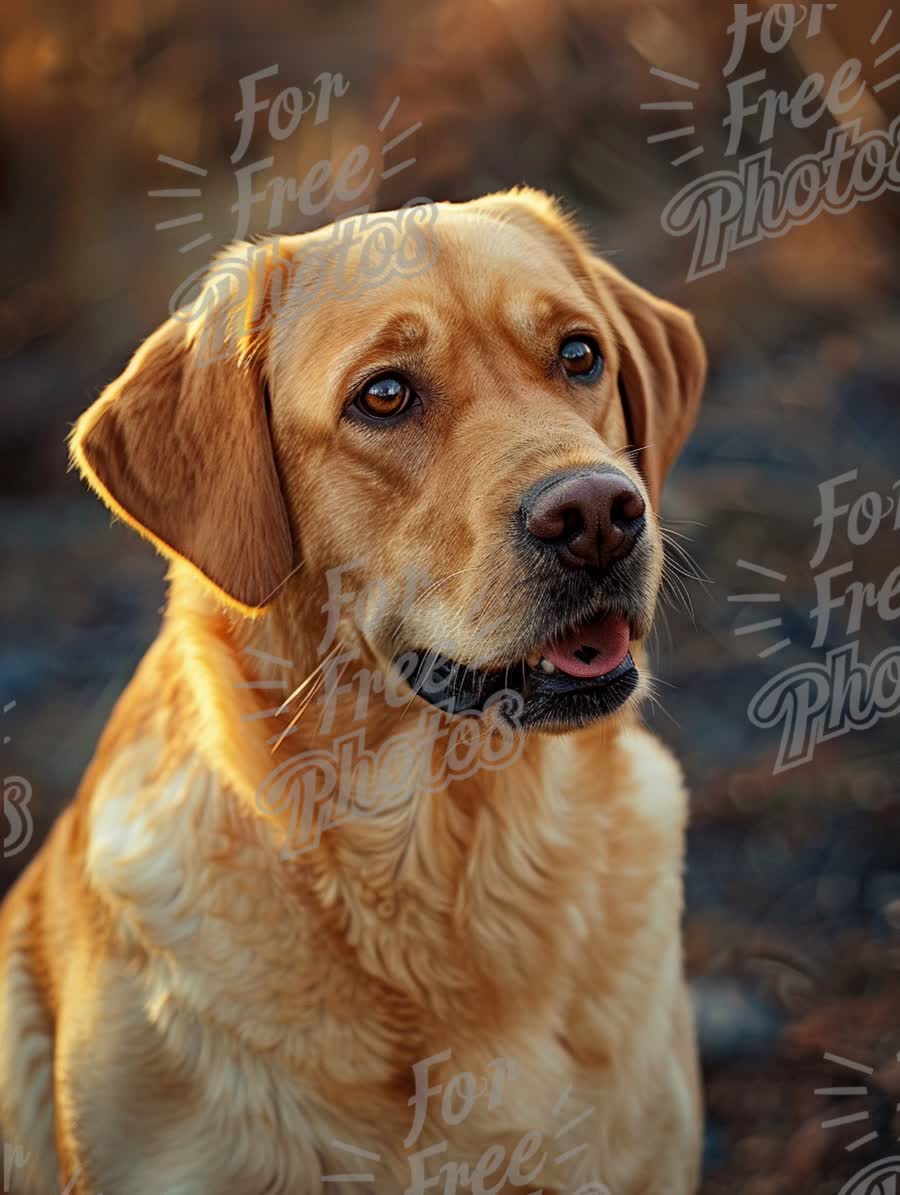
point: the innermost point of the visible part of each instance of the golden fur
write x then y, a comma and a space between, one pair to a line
186, 1010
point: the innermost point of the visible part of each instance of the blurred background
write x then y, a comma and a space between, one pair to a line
793, 921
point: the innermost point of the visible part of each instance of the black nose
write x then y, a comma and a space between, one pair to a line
589, 518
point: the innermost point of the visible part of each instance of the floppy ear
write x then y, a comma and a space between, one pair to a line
179, 447
661, 374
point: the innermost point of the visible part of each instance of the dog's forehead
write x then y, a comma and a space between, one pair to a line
479, 245
473, 266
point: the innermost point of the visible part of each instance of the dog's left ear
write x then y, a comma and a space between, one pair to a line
662, 370
179, 447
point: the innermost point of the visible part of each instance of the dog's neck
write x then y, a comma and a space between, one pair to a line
433, 851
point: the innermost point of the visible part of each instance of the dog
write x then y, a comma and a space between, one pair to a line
455, 965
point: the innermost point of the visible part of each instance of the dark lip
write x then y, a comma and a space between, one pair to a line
537, 699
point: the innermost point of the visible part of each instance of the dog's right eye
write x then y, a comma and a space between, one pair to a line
385, 398
582, 360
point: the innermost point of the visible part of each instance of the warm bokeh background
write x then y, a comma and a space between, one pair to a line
794, 878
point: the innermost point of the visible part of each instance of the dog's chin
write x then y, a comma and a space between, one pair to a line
581, 674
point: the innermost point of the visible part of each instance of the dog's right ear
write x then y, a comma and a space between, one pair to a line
180, 448
661, 374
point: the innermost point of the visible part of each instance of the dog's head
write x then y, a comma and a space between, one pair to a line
497, 426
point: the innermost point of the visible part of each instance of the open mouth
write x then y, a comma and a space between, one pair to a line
584, 673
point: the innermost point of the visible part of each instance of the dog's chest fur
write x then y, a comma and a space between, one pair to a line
284, 1003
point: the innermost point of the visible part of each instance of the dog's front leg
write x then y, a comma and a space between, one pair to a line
98, 1156
131, 1119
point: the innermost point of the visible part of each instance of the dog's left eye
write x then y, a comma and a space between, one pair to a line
581, 358
385, 398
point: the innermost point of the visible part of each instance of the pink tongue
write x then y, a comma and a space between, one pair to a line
593, 650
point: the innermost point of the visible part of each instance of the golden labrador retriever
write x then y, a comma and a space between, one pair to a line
374, 882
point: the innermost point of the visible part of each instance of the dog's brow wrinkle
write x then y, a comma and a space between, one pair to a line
533, 318
401, 331
399, 336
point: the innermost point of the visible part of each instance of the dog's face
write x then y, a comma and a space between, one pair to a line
483, 441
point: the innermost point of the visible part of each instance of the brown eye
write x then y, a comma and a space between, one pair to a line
581, 358
385, 398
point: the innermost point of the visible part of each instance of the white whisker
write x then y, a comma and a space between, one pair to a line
283, 581
318, 668
280, 736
